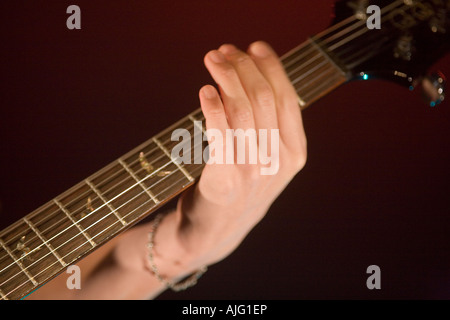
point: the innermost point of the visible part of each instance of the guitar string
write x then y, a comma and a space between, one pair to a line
312, 48
327, 76
110, 200
342, 23
358, 55
328, 82
324, 73
326, 68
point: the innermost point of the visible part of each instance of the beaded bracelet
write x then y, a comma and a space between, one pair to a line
189, 282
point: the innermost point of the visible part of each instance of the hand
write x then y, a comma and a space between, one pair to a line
212, 218
230, 199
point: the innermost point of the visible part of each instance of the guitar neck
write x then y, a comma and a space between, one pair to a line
56, 235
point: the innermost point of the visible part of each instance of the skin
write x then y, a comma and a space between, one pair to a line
214, 217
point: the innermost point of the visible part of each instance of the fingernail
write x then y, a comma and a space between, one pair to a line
259, 49
217, 56
209, 92
228, 49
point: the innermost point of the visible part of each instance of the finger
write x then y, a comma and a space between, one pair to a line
237, 106
216, 122
213, 109
288, 109
257, 88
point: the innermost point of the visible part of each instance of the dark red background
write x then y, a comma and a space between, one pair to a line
375, 189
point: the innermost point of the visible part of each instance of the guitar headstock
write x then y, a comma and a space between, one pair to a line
411, 36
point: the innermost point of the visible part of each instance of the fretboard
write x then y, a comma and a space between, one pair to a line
56, 235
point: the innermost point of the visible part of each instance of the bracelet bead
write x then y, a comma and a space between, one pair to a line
180, 286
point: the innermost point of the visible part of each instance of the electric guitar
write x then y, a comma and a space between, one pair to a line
45, 242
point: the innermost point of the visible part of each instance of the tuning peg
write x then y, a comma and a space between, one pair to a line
433, 88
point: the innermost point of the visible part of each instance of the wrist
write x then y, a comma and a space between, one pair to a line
166, 251
170, 282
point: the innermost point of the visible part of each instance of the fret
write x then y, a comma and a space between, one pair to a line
326, 52
325, 74
318, 90
158, 174
305, 76
195, 121
306, 71
123, 192
60, 229
300, 72
180, 167
91, 214
198, 115
179, 124
294, 54
18, 263
193, 163
106, 202
152, 196
3, 296
201, 145
28, 247
300, 60
12, 276
49, 246
197, 168
88, 238
32, 255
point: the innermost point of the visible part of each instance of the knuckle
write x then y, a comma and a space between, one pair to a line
288, 101
242, 58
214, 113
225, 188
252, 173
221, 192
228, 71
234, 54
242, 114
265, 96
